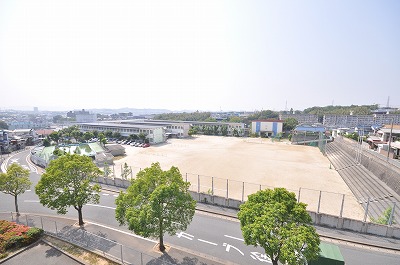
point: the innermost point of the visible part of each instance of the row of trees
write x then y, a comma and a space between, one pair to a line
158, 202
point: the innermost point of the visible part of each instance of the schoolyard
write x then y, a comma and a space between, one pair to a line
258, 163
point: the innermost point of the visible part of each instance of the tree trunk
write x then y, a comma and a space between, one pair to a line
161, 247
80, 218
16, 205
275, 262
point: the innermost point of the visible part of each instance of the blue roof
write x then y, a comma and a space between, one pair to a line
310, 128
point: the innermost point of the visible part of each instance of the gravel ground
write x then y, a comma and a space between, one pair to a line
254, 161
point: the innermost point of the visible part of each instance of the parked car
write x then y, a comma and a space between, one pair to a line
146, 145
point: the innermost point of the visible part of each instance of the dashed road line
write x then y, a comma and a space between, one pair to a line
208, 242
101, 206
240, 239
105, 194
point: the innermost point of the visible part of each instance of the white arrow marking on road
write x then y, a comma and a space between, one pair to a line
260, 257
228, 247
184, 235
208, 242
234, 238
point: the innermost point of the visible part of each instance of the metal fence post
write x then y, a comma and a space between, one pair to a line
392, 214
227, 188
260, 186
141, 258
341, 208
55, 223
131, 173
243, 192
41, 221
319, 201
122, 258
12, 217
212, 185
26, 218
186, 177
298, 197
366, 211
198, 183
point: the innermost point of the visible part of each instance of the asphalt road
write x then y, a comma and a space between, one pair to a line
209, 234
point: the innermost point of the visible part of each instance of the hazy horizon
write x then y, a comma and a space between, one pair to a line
206, 55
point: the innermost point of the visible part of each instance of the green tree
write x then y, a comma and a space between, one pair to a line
385, 218
54, 136
3, 125
88, 135
275, 221
66, 183
142, 136
107, 170
108, 133
14, 182
235, 119
116, 135
126, 171
46, 142
157, 202
289, 124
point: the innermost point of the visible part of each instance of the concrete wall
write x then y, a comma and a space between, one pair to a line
317, 218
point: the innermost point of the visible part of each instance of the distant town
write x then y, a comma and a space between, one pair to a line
377, 126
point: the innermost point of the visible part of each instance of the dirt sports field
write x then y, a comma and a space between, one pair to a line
253, 161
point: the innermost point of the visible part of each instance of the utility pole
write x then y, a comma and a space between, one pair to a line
390, 140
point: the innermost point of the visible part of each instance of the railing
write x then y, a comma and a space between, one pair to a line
77, 235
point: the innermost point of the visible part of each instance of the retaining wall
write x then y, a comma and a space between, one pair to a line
320, 219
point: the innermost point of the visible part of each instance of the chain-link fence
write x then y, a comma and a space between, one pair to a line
98, 243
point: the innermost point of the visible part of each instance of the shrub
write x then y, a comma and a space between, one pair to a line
13, 235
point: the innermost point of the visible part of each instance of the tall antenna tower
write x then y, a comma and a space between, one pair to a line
387, 103
286, 106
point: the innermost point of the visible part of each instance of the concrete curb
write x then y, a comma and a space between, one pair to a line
20, 251
64, 252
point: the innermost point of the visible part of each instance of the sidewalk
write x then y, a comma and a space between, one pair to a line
113, 243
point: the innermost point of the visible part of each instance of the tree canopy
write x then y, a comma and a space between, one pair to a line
14, 182
289, 124
157, 202
66, 183
3, 125
275, 221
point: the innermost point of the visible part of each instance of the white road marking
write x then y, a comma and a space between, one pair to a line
234, 238
101, 206
228, 247
184, 235
28, 190
208, 242
115, 195
105, 194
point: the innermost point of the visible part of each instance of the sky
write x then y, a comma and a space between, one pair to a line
198, 55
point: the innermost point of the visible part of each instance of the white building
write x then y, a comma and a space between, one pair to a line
154, 133
268, 128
